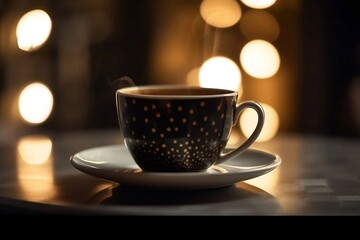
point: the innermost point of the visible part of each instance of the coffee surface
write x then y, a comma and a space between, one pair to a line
179, 91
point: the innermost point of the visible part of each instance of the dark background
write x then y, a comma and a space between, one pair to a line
331, 66
95, 42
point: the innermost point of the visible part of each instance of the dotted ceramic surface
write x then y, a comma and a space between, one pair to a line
170, 135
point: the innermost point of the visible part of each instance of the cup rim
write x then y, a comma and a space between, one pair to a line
127, 92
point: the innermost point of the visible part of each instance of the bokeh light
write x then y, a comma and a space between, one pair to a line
34, 150
220, 13
268, 182
260, 59
34, 168
35, 103
33, 29
259, 24
248, 121
220, 72
192, 78
259, 4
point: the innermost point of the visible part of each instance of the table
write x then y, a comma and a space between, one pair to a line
318, 176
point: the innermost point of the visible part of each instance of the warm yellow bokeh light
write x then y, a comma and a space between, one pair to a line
268, 182
35, 103
220, 72
260, 59
259, 24
192, 78
248, 121
259, 4
34, 150
220, 13
34, 168
33, 29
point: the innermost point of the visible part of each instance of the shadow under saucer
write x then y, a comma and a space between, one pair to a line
242, 199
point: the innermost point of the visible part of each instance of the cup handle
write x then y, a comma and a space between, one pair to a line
260, 123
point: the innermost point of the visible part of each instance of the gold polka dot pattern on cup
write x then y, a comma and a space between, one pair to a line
188, 155
176, 135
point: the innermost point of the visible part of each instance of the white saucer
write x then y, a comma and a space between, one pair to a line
114, 163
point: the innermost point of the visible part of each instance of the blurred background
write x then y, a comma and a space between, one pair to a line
59, 60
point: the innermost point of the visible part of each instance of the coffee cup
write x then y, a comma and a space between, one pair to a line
173, 128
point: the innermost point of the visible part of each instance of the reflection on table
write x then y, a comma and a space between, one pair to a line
318, 175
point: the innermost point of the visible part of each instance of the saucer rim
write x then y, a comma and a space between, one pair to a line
175, 178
